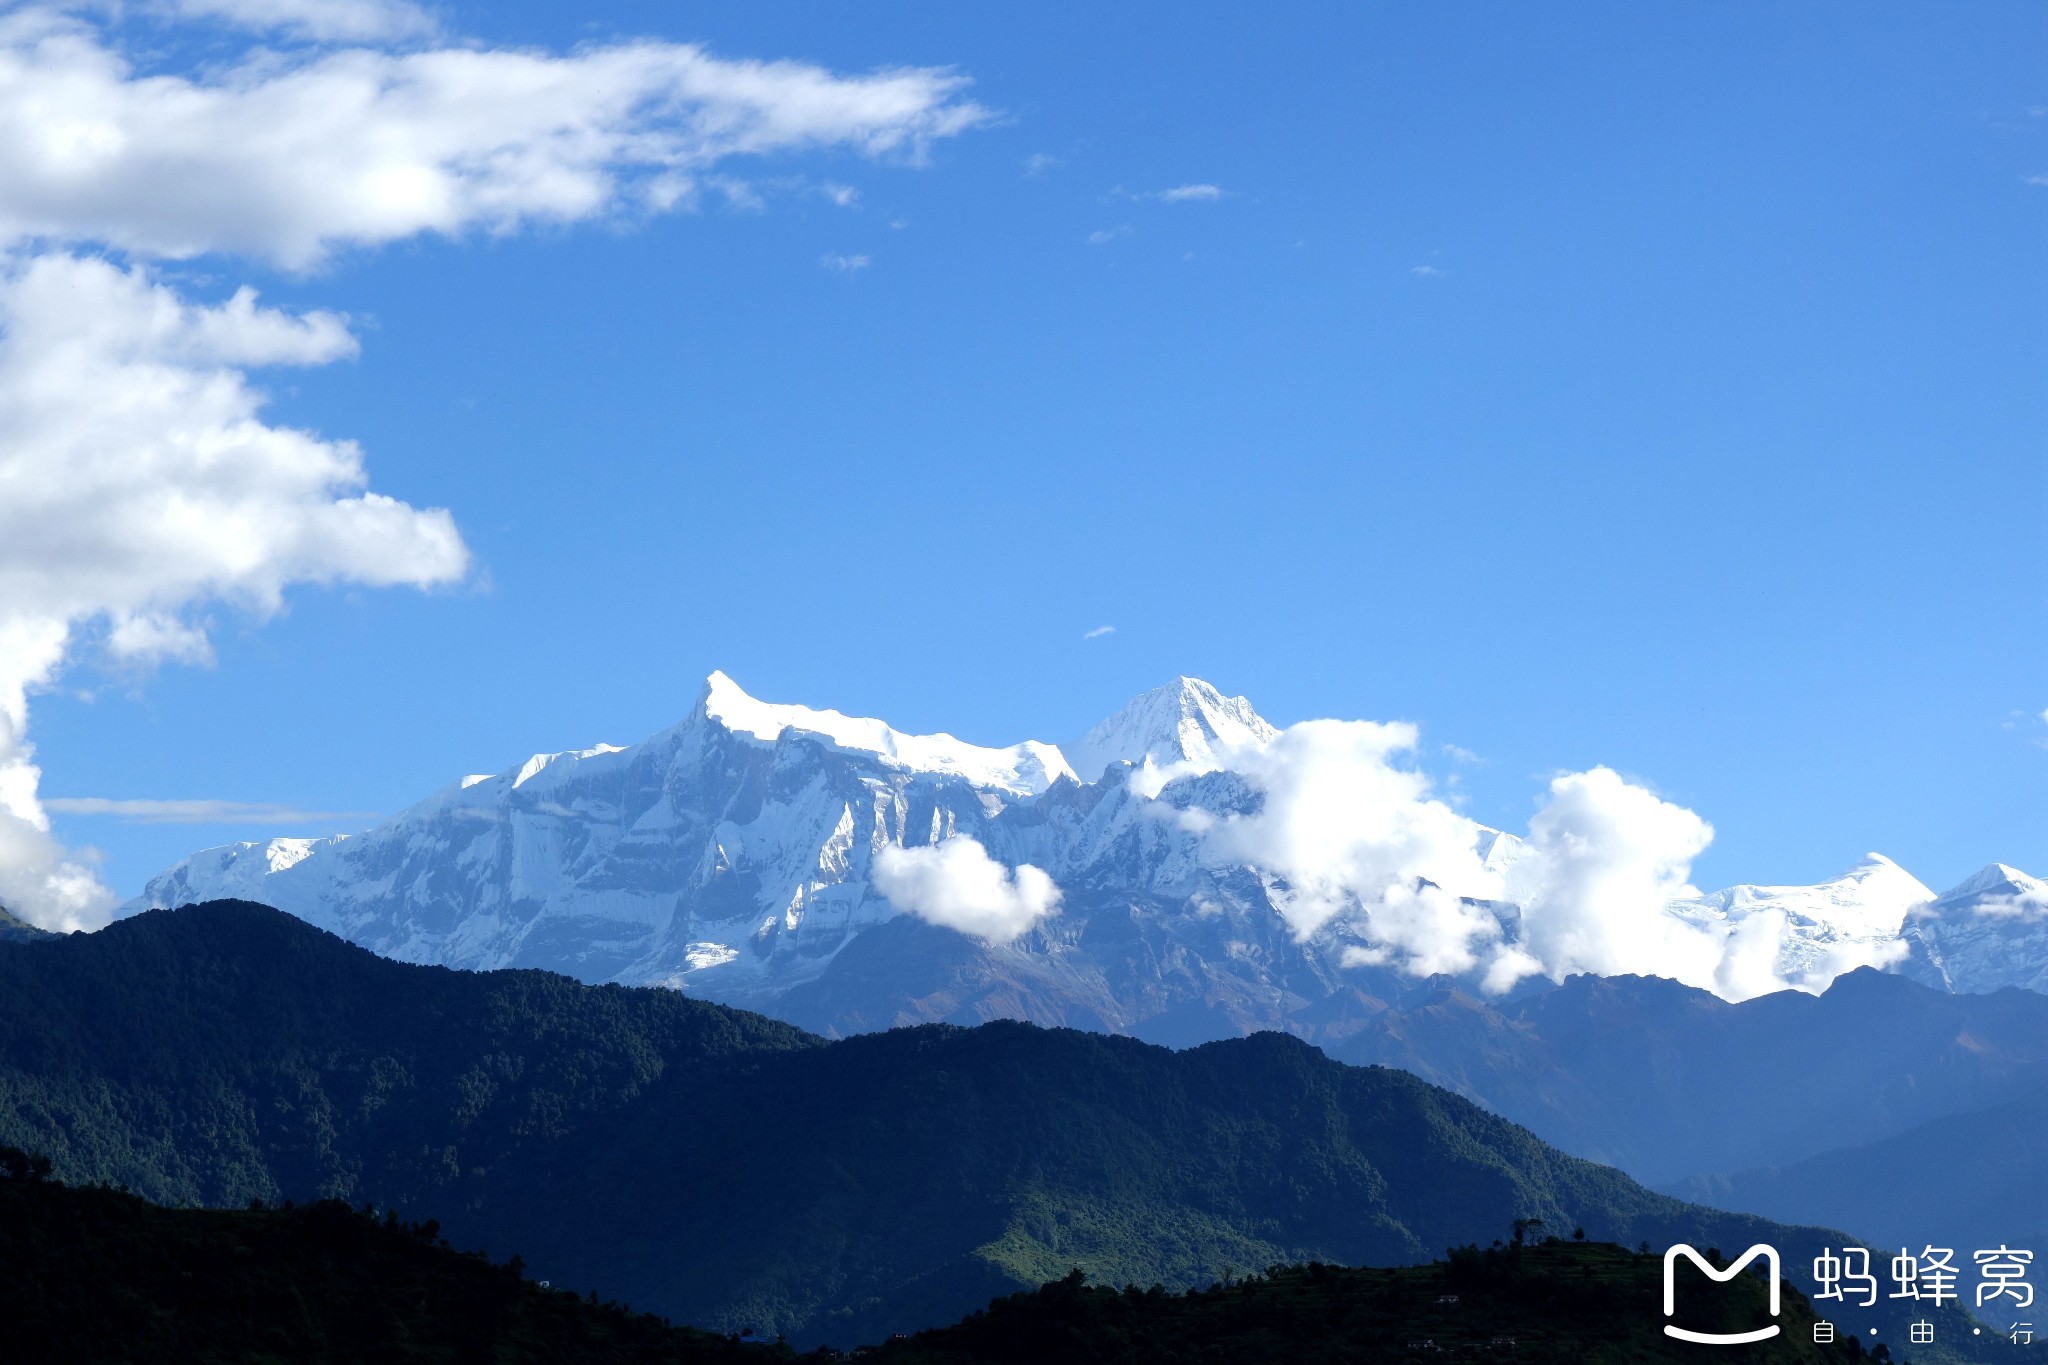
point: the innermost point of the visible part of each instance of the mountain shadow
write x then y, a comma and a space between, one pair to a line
1975, 1179
1667, 1082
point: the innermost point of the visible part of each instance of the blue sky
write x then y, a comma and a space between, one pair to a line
1655, 386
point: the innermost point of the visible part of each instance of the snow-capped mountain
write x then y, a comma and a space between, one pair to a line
737, 843
734, 856
1990, 931
1854, 921
1186, 721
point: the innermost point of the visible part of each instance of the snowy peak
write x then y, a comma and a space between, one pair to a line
1988, 932
1024, 769
540, 763
1497, 849
1995, 889
1853, 921
1186, 721
1869, 900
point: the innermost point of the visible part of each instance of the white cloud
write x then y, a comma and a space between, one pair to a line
956, 884
1425, 272
1605, 858
845, 196
319, 20
1038, 163
846, 265
2028, 904
1352, 835
291, 159
140, 479
1102, 236
1098, 632
1357, 849
138, 482
198, 812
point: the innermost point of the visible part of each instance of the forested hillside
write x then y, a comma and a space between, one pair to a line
1559, 1302
102, 1275
228, 1052
729, 1171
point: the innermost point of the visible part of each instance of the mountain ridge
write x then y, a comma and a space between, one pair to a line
1668, 1082
728, 1170
734, 856
1914, 1187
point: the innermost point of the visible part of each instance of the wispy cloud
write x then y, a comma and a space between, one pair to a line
1098, 632
740, 196
846, 196
1103, 235
199, 812
297, 160
1425, 272
319, 20
1179, 194
1038, 163
846, 265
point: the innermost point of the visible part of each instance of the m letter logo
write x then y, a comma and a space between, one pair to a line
1770, 1255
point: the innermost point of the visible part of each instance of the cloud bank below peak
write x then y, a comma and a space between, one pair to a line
1358, 852
1357, 845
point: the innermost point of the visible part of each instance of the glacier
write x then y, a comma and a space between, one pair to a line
731, 856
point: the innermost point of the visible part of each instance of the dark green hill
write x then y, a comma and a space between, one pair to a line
728, 1171
228, 1052
898, 1179
100, 1275
1561, 1303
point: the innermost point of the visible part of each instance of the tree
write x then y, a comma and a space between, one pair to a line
16, 1164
